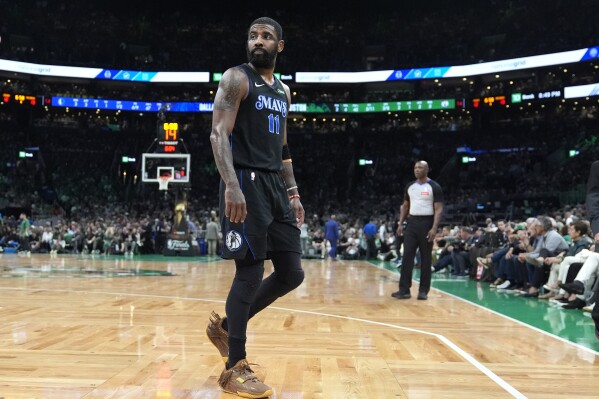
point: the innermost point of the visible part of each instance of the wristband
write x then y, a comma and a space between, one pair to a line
294, 196
286, 155
291, 188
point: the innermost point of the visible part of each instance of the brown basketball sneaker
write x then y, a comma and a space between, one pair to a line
218, 336
240, 380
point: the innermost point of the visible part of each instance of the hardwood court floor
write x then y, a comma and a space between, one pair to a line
75, 327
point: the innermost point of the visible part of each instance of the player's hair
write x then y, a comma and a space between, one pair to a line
271, 22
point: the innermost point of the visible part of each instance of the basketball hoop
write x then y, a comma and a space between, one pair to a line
164, 175
163, 182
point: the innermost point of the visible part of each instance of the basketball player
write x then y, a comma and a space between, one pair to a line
259, 201
423, 207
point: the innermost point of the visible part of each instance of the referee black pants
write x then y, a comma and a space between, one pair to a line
415, 238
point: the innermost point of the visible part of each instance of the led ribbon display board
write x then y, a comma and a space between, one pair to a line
389, 106
537, 61
309, 108
126, 105
581, 91
106, 74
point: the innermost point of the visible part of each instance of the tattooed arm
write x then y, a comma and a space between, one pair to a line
232, 89
289, 178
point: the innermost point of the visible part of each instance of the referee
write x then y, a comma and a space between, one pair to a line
423, 207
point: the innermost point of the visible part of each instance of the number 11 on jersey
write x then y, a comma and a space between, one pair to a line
273, 124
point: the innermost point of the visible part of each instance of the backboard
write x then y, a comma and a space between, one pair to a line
152, 165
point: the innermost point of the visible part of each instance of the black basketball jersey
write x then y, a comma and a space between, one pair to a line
257, 137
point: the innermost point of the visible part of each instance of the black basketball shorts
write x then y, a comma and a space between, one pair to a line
270, 224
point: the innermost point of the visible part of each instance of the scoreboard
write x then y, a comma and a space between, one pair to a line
21, 99
168, 138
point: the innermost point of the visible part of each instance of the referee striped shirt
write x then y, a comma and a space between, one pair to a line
422, 197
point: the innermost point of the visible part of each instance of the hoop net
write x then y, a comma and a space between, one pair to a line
163, 182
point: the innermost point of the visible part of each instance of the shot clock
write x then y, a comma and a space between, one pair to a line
168, 138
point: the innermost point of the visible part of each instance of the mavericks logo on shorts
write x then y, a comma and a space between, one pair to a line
233, 241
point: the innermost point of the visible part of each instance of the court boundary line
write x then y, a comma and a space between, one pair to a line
577, 346
574, 344
466, 356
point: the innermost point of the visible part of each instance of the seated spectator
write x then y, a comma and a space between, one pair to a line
343, 243
35, 239
491, 240
503, 257
108, 242
47, 238
130, 241
443, 256
460, 252
354, 248
318, 244
551, 243
58, 245
578, 232
581, 288
516, 271
387, 250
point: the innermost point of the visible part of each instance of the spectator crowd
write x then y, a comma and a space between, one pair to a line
513, 213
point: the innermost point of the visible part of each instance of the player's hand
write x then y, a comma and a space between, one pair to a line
298, 208
400, 229
235, 208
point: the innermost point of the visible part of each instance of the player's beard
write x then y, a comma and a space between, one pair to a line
262, 59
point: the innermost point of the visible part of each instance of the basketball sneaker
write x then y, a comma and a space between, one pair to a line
240, 380
218, 336
505, 285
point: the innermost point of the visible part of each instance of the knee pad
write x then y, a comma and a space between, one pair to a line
288, 269
294, 278
247, 280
